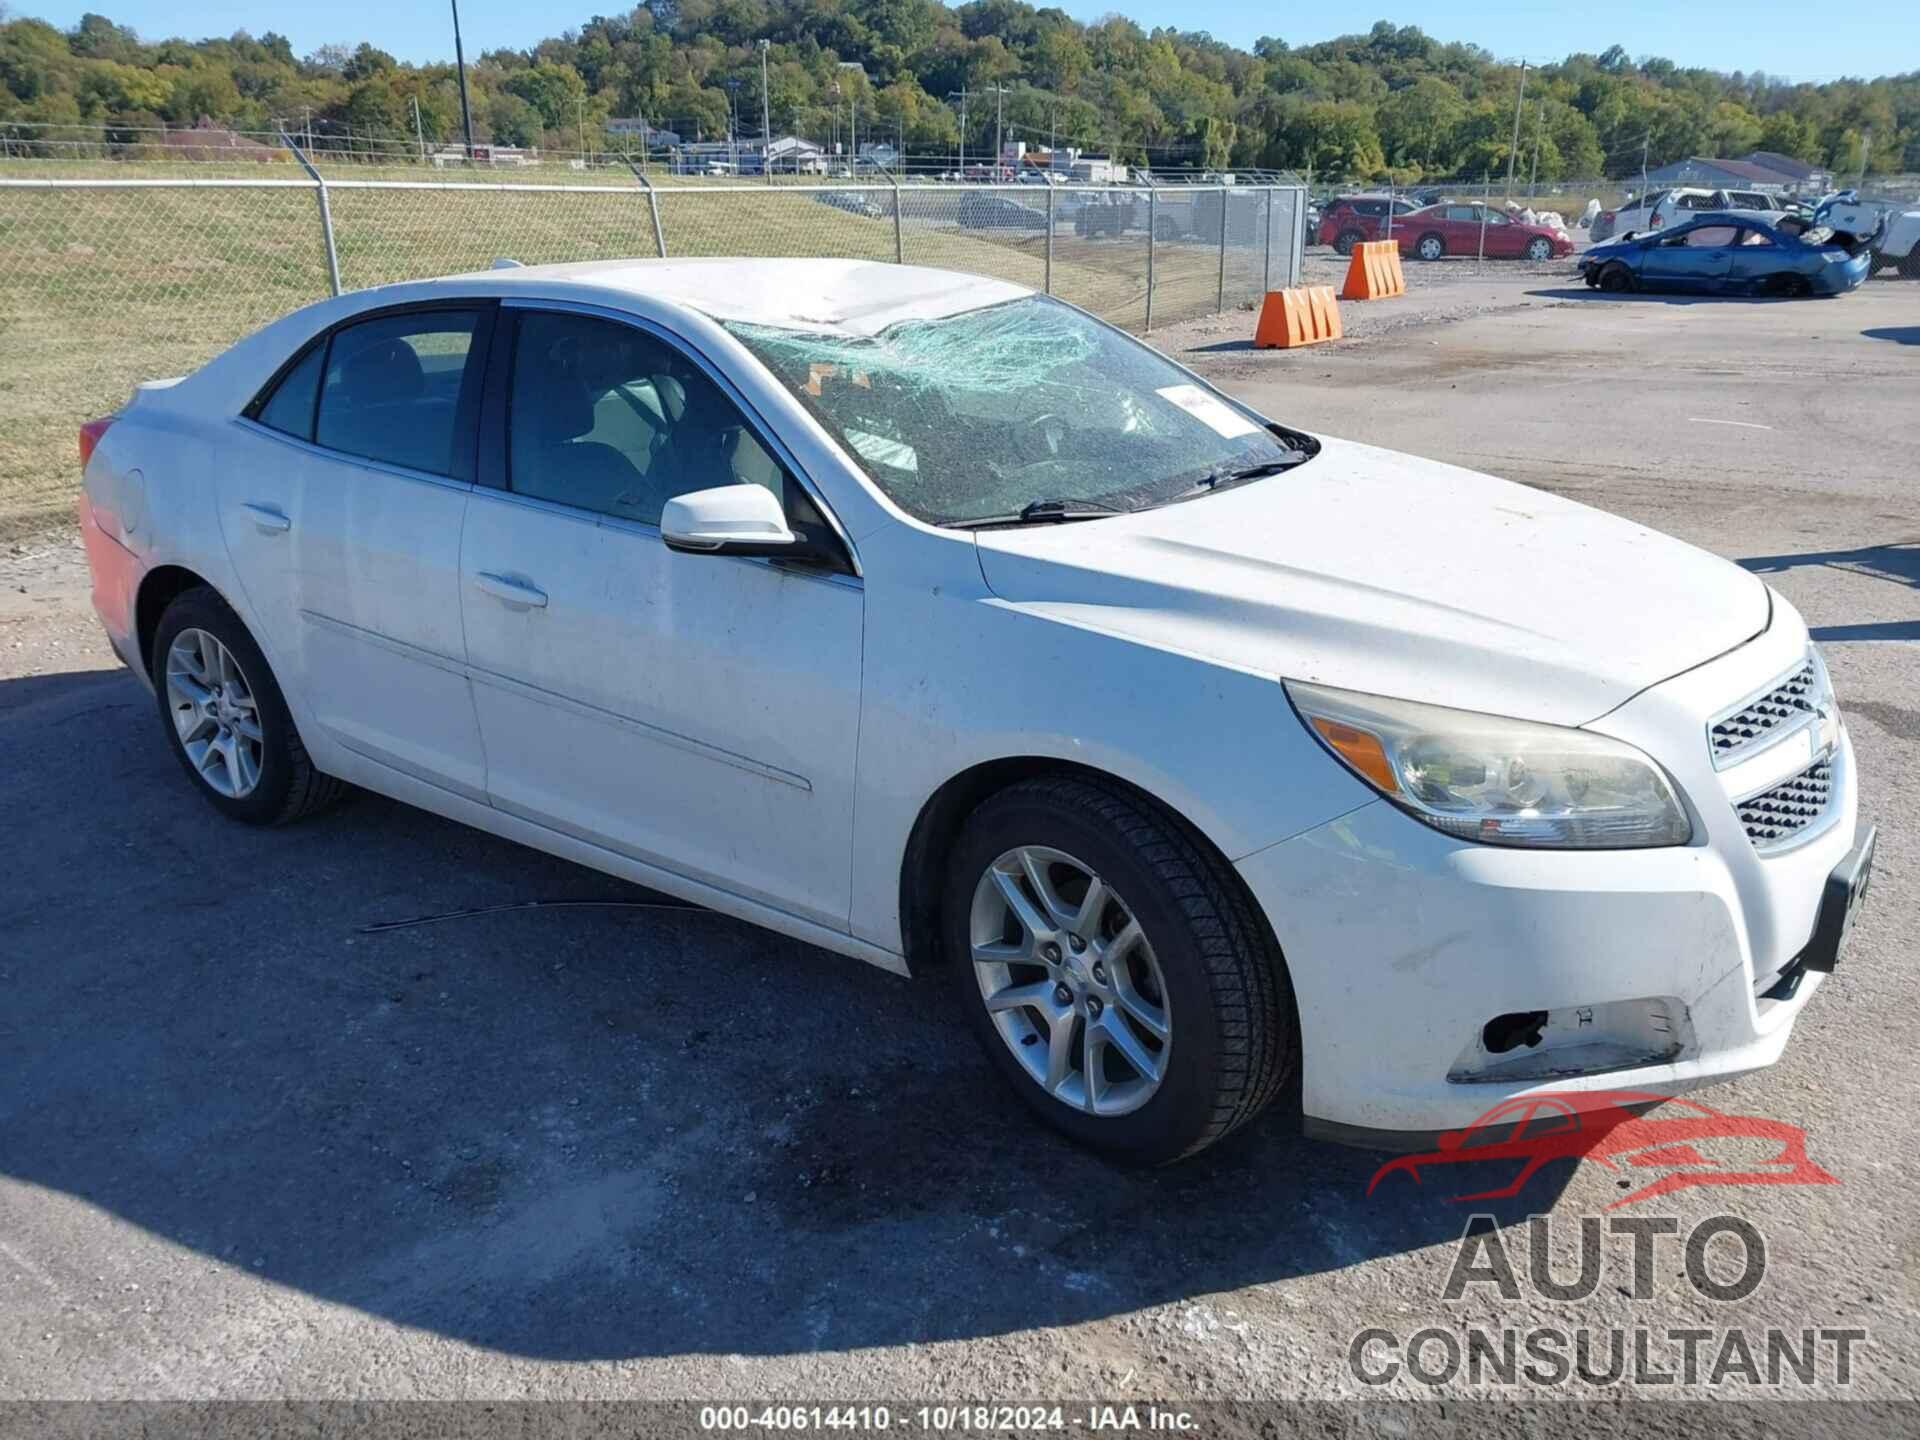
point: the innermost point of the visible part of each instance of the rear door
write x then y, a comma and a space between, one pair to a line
343, 512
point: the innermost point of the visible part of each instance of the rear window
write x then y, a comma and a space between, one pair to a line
392, 388
290, 408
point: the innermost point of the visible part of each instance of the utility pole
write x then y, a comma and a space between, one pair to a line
1539, 135
1645, 141
460, 64
766, 122
418, 133
961, 166
999, 122
580, 111
1866, 149
1513, 151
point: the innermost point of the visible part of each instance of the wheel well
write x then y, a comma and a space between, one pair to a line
162, 586
923, 871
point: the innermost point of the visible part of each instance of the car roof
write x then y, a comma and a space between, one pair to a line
854, 297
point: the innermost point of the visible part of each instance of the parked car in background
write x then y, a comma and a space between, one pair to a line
1349, 219
984, 210
1729, 254
1103, 213
854, 202
1659, 208
1895, 229
934, 622
1456, 229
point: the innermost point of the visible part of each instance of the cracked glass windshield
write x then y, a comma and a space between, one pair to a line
1020, 413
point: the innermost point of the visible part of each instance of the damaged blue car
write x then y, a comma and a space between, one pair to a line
1724, 253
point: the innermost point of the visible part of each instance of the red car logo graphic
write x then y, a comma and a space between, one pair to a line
1686, 1140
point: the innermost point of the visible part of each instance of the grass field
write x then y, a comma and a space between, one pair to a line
101, 288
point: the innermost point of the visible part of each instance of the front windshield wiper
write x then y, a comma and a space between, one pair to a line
1043, 512
1227, 475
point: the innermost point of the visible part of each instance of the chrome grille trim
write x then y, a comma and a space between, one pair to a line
1784, 707
1793, 811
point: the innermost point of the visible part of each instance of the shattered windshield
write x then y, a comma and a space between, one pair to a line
992, 414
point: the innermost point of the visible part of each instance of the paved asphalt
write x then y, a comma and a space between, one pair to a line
248, 1148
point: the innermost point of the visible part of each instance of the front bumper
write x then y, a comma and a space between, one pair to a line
1403, 943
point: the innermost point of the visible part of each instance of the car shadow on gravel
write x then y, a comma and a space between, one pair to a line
590, 1132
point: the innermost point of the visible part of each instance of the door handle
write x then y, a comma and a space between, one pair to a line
268, 519
514, 592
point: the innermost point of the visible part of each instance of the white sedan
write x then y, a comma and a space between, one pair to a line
934, 622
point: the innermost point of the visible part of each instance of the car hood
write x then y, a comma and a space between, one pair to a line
1381, 572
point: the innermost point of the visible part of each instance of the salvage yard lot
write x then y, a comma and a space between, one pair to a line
248, 1148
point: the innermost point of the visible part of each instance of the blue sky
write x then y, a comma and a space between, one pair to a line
1784, 37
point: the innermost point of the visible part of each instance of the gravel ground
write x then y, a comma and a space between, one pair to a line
249, 1150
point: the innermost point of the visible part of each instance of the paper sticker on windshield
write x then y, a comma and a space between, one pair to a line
1215, 414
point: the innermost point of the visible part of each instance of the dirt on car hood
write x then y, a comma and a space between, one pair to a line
1378, 571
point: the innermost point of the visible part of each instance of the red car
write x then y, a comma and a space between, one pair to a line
1609, 1128
1451, 228
1352, 218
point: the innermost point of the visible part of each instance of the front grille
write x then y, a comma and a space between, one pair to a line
1775, 818
1792, 699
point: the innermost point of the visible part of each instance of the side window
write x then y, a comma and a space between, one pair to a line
1755, 237
290, 408
608, 418
1698, 202
1704, 237
392, 388
1465, 214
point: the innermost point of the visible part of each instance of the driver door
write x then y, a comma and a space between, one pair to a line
1695, 259
695, 712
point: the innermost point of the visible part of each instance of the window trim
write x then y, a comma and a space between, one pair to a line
492, 470
466, 412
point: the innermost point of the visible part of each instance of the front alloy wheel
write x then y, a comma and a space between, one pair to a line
1432, 247
1070, 981
1540, 248
1114, 968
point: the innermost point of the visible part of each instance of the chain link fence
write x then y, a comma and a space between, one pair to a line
106, 282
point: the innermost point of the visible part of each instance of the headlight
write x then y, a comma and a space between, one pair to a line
1494, 780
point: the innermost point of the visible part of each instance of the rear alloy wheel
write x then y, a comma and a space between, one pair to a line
215, 716
1539, 248
1113, 970
1432, 247
225, 718
1616, 279
1344, 242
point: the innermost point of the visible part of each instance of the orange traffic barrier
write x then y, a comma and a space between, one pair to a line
1374, 272
1297, 317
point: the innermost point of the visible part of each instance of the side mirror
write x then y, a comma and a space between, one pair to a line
729, 520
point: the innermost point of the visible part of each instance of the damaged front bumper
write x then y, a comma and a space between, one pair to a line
1435, 977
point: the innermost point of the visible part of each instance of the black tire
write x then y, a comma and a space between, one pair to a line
1910, 263
1232, 1016
1431, 247
289, 786
1617, 279
1344, 242
1539, 249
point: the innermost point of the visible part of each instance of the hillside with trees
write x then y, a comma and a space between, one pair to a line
1390, 103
